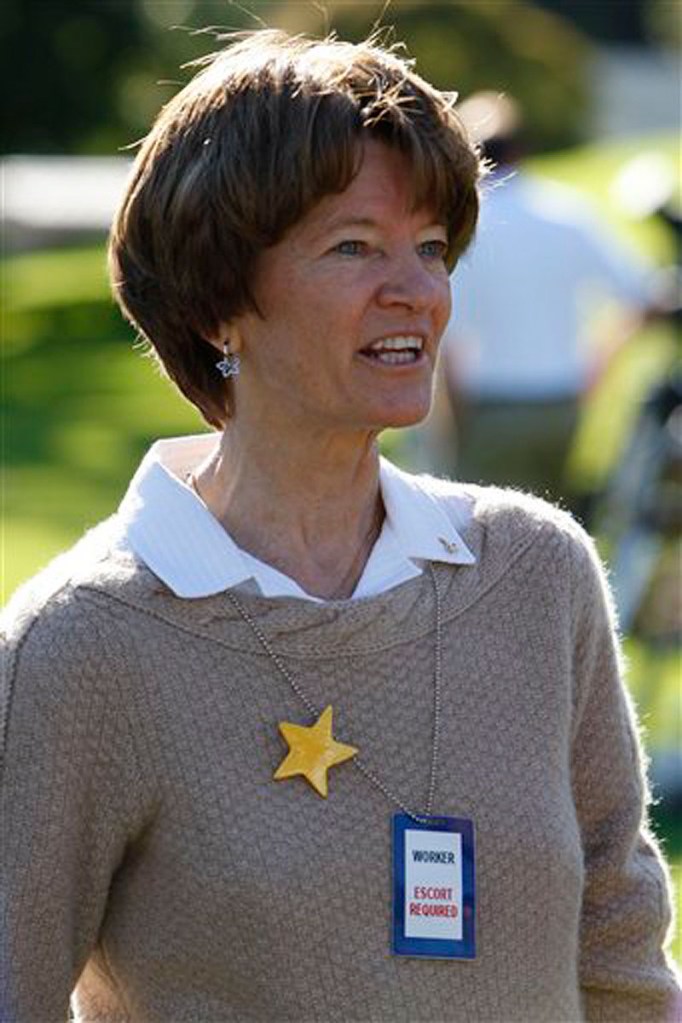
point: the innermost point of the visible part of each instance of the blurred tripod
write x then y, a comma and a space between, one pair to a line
639, 512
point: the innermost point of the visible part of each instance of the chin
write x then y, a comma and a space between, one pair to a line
406, 415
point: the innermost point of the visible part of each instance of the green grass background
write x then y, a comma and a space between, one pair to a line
80, 409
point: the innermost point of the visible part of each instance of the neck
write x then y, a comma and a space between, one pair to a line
313, 512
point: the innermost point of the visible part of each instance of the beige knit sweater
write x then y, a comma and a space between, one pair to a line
150, 860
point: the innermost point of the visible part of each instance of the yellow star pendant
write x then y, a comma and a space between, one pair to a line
312, 751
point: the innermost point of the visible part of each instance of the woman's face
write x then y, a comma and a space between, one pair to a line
354, 300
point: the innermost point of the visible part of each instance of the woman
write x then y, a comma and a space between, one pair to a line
281, 648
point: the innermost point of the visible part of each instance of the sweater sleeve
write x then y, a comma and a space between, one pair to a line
71, 800
625, 975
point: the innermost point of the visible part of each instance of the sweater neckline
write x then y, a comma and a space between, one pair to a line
500, 531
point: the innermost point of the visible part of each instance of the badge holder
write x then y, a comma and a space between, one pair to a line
433, 887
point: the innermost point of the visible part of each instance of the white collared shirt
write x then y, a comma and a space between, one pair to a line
168, 526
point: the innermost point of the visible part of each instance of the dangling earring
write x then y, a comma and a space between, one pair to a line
229, 365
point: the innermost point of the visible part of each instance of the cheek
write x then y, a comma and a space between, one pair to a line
443, 306
295, 301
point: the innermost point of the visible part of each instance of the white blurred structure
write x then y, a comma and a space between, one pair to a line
50, 199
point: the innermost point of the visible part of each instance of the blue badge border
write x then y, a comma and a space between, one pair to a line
434, 948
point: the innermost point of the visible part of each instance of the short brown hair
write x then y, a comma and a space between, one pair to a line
268, 126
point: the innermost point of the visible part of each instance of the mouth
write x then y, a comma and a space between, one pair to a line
399, 350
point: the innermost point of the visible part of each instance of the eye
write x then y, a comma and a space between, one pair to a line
435, 248
351, 247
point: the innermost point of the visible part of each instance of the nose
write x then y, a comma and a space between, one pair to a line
415, 285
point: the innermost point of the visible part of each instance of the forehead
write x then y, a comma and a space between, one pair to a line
382, 190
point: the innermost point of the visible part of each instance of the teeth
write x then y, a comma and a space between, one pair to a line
395, 358
400, 343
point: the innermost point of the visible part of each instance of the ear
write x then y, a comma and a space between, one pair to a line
227, 332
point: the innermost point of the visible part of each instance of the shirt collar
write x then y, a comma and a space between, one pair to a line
419, 518
168, 526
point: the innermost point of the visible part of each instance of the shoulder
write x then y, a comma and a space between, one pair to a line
520, 512
58, 609
500, 508
66, 658
504, 524
554, 540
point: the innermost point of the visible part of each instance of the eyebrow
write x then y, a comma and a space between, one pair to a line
342, 223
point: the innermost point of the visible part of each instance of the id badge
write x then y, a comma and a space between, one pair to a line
433, 888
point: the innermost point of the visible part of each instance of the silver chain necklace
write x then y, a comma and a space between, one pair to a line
314, 711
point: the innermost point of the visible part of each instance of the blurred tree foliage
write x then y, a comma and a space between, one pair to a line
663, 24
61, 62
81, 75
623, 21
86, 76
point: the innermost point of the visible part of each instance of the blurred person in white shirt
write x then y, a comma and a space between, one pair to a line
519, 352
